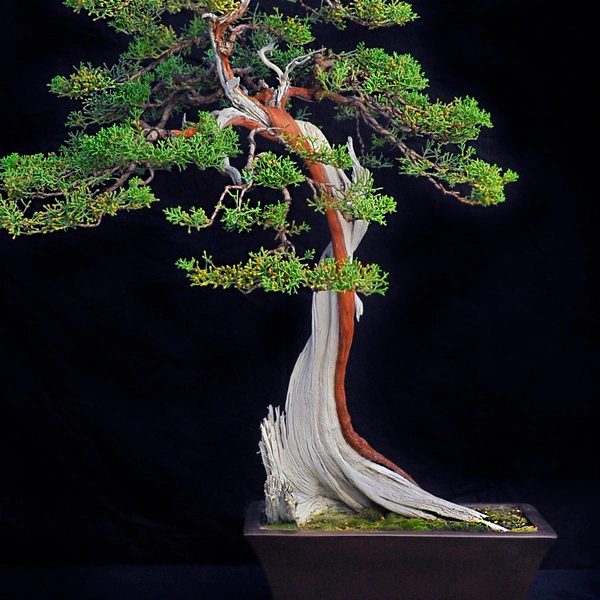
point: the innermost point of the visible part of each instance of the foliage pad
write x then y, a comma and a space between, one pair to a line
188, 57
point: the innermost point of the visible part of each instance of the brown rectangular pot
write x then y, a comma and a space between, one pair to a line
399, 565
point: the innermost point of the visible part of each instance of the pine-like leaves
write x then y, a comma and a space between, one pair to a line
129, 125
97, 175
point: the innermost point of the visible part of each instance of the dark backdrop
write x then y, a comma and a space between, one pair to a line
131, 402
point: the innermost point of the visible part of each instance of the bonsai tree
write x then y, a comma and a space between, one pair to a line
226, 88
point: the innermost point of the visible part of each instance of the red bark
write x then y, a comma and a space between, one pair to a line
346, 300
280, 119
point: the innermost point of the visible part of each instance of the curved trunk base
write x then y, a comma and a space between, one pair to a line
310, 466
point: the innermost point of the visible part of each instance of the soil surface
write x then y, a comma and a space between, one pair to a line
372, 519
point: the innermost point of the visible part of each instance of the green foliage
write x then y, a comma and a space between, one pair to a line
122, 144
392, 83
431, 136
350, 276
246, 57
195, 218
127, 91
457, 121
285, 34
140, 16
275, 216
126, 116
239, 213
23, 177
243, 217
173, 71
370, 160
371, 71
126, 16
372, 13
292, 30
283, 271
361, 200
334, 155
84, 81
274, 171
79, 204
486, 181
86, 180
271, 271
195, 29
154, 42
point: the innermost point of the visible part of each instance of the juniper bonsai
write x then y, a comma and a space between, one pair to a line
221, 85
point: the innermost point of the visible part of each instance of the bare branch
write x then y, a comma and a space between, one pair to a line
232, 172
121, 181
231, 84
245, 187
262, 53
282, 93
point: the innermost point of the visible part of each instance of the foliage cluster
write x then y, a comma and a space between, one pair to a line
281, 271
132, 122
100, 174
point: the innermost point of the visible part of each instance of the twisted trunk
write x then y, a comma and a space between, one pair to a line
313, 457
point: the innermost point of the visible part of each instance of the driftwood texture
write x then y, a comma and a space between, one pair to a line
310, 466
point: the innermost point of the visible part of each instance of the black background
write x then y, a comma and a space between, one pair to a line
131, 402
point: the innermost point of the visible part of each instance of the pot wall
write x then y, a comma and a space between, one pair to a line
307, 565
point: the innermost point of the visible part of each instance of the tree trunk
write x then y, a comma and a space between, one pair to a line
313, 458
311, 464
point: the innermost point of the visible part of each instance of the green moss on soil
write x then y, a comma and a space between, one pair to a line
372, 519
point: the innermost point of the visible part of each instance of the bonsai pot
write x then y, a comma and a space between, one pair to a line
399, 565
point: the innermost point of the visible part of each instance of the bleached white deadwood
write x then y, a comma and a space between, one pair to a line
282, 76
310, 467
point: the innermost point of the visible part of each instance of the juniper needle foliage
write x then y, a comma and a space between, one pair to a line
157, 108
